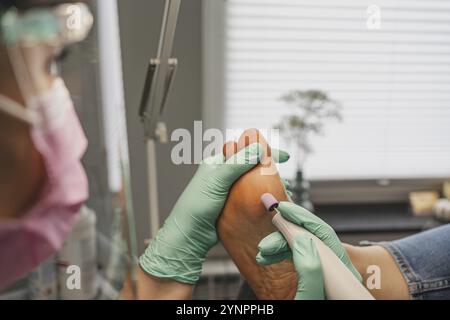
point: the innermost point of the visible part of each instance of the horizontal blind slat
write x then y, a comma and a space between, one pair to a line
393, 83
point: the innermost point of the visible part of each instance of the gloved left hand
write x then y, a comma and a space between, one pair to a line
180, 246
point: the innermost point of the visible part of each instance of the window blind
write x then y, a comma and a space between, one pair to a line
393, 83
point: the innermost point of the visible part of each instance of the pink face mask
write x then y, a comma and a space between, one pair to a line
57, 134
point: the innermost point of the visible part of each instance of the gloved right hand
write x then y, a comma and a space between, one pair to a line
309, 269
274, 248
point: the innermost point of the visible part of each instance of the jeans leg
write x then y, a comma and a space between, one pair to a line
424, 260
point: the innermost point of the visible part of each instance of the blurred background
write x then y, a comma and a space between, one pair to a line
373, 161
384, 66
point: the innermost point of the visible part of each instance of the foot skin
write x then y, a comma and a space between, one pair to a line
244, 222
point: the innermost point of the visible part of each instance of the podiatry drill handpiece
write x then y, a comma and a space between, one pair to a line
339, 281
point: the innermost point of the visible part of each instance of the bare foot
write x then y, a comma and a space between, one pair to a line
244, 222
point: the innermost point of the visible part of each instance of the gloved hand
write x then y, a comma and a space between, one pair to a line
180, 246
274, 248
309, 269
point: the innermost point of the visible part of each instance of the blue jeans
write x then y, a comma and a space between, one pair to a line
424, 260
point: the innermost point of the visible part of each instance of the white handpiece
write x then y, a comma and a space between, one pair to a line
339, 281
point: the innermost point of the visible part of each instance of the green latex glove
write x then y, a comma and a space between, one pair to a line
287, 187
309, 269
274, 248
180, 246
